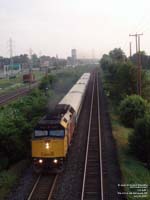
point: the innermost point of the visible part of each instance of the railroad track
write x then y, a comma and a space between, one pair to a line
13, 95
92, 187
6, 98
43, 187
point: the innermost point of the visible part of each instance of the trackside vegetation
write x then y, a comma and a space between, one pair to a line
132, 108
16, 122
130, 115
133, 171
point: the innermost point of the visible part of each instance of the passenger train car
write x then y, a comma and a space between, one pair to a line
53, 133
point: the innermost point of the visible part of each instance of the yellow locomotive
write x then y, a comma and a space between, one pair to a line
53, 133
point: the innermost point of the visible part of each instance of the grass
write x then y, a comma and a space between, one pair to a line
7, 84
133, 171
9, 178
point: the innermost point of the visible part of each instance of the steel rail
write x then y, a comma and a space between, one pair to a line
52, 188
87, 146
96, 89
50, 193
100, 142
7, 98
33, 189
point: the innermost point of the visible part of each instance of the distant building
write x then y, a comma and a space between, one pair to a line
72, 61
69, 61
74, 56
12, 69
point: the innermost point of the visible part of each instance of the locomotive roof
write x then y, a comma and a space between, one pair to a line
58, 111
55, 115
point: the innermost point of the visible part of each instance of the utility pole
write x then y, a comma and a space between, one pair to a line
30, 54
30, 68
138, 55
140, 67
11, 53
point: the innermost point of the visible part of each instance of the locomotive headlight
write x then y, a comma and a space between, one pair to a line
55, 161
40, 161
47, 145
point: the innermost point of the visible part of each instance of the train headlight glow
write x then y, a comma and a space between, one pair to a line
40, 161
55, 161
47, 145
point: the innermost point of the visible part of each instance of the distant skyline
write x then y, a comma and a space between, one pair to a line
93, 27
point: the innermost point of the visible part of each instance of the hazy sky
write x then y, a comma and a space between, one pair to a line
53, 27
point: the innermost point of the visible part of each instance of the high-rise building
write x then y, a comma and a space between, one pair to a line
74, 56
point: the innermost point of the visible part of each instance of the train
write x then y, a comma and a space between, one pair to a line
29, 78
53, 133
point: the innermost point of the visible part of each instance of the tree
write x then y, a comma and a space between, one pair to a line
117, 55
121, 76
17, 121
132, 108
145, 60
120, 80
21, 59
105, 62
35, 61
139, 141
47, 82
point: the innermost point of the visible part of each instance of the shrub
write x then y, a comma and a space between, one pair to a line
16, 122
47, 82
132, 108
139, 141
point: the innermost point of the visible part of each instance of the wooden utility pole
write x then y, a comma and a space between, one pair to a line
139, 67
138, 55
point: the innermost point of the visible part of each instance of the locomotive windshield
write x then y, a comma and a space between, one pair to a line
56, 133
49, 133
40, 133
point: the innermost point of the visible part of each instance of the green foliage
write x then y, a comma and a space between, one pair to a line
105, 62
140, 139
8, 178
120, 80
145, 60
146, 84
47, 82
17, 121
133, 171
132, 108
117, 55
121, 76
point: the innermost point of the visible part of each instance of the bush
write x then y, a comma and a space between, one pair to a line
132, 108
139, 141
47, 82
120, 80
17, 121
